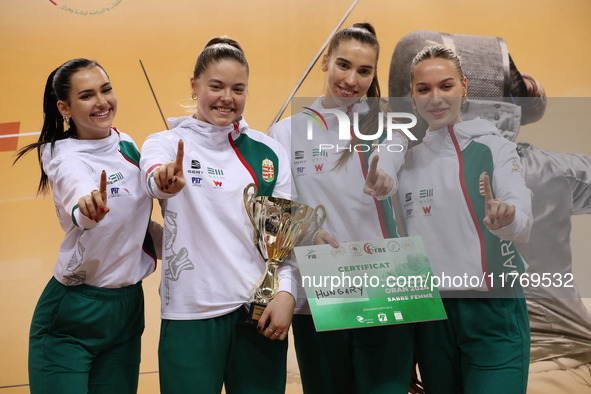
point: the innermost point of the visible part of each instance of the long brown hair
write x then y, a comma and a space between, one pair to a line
363, 33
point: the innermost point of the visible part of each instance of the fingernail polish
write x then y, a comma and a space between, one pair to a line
102, 209
170, 181
96, 219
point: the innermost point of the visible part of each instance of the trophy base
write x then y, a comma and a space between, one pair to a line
250, 314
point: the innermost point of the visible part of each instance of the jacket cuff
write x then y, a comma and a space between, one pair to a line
154, 191
82, 221
288, 285
511, 232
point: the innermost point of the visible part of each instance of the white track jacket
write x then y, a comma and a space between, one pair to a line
441, 190
210, 263
118, 251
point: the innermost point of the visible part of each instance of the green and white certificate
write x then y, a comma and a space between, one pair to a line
369, 283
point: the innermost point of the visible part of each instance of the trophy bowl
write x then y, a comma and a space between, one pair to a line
279, 225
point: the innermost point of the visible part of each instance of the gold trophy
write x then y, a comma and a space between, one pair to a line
279, 225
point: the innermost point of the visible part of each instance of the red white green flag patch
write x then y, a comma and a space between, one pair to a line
268, 170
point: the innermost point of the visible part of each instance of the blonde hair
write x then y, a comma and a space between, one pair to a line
437, 52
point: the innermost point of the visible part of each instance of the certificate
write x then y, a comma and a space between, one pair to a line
369, 283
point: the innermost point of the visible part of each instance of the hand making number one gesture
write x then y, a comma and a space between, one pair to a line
94, 205
169, 177
377, 183
498, 213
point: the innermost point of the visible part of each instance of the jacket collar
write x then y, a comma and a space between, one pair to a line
208, 134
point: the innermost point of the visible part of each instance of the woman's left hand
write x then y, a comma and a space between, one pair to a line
498, 213
279, 313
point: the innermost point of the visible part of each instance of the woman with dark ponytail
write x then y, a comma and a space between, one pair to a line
354, 178
53, 122
210, 263
87, 326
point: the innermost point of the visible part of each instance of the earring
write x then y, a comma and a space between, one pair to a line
67, 120
464, 105
194, 96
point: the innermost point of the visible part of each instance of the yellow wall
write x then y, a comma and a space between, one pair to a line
548, 39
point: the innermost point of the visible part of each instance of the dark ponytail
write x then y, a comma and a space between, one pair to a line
57, 88
363, 33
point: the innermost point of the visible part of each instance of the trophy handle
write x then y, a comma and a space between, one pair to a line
248, 202
319, 222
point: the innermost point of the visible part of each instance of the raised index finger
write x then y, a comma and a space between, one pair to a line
488, 196
178, 166
103, 184
373, 168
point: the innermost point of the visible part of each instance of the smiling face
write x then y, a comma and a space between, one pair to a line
437, 91
221, 92
350, 70
91, 103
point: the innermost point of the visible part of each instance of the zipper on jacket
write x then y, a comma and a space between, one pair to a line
236, 127
450, 129
241, 158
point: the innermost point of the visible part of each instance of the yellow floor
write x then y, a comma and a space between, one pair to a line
546, 38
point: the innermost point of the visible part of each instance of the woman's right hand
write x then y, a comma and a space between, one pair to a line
377, 183
94, 205
169, 177
323, 238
